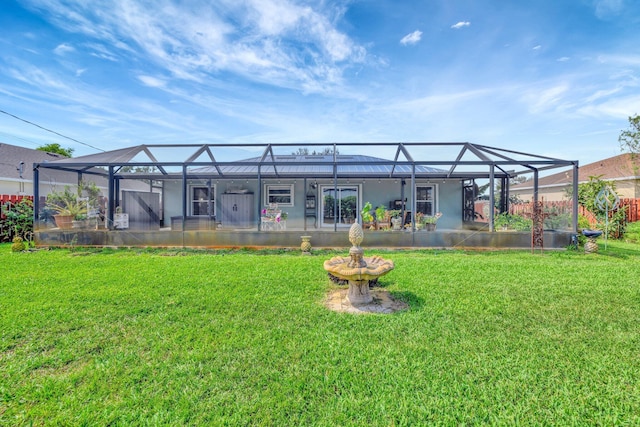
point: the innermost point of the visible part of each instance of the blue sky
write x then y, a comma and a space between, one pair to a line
552, 77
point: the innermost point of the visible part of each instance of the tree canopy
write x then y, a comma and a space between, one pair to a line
630, 139
56, 148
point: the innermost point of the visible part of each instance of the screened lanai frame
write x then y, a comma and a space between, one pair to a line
406, 161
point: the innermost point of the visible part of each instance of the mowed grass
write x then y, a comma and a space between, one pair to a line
152, 337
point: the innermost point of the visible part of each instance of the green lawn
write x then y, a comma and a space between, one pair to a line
146, 337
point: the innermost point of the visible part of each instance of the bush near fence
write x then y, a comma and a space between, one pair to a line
8, 203
12, 199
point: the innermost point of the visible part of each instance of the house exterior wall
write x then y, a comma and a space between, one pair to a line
550, 194
626, 188
16, 186
382, 192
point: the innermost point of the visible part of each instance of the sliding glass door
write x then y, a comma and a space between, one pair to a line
339, 206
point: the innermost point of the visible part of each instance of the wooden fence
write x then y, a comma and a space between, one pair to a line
558, 208
566, 206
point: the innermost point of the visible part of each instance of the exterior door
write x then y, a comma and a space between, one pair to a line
339, 206
143, 209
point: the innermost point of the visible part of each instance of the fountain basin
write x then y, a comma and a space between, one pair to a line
358, 277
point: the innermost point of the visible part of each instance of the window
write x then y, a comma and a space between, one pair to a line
202, 201
280, 194
426, 199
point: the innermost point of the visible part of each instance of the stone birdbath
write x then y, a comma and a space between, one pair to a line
358, 270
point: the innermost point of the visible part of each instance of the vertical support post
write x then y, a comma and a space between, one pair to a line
414, 198
36, 197
492, 197
184, 196
507, 191
402, 204
537, 229
305, 204
111, 206
535, 186
259, 196
209, 205
335, 194
574, 216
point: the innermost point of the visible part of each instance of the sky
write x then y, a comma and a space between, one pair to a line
558, 78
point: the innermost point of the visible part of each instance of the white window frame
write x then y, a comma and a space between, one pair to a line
192, 200
359, 203
269, 187
434, 202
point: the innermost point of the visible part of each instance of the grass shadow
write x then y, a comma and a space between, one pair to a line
412, 300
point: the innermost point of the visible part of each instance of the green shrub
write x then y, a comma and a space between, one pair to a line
18, 220
511, 222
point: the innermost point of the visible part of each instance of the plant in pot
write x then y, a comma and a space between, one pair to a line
367, 216
396, 220
66, 206
430, 221
382, 218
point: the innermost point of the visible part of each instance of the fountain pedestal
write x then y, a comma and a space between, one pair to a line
359, 292
357, 270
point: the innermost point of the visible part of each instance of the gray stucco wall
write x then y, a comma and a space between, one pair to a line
448, 195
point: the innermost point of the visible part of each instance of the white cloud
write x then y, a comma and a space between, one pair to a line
152, 81
278, 42
563, 59
411, 38
461, 24
537, 47
80, 71
607, 8
545, 100
63, 48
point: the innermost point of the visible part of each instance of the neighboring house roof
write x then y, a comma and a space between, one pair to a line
618, 168
11, 157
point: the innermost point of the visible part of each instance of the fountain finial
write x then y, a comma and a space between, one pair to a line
356, 236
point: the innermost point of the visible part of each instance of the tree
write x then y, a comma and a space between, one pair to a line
305, 152
56, 148
630, 139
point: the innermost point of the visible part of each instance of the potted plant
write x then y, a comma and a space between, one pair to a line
66, 206
367, 216
382, 218
78, 205
430, 221
396, 221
